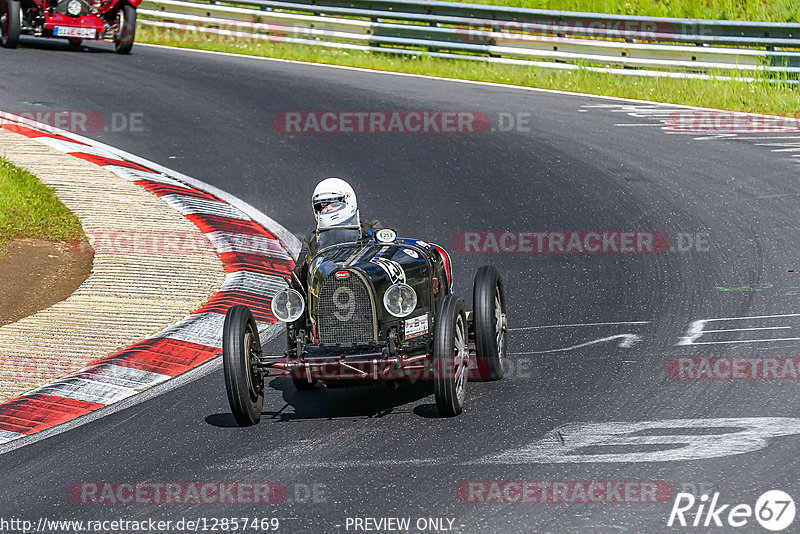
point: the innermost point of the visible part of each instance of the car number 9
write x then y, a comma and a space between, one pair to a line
345, 303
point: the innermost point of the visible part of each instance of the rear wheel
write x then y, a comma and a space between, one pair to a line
125, 31
75, 42
10, 20
489, 316
450, 357
244, 381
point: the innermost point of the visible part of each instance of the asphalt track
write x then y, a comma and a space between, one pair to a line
376, 454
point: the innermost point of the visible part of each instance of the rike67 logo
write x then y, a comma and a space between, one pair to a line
774, 510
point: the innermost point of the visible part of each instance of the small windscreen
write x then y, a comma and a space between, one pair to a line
337, 236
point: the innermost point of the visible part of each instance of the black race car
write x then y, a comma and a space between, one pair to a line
375, 309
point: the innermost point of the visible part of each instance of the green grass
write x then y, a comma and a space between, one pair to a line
754, 10
759, 96
29, 209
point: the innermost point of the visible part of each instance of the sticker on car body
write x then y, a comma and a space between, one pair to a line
416, 326
393, 269
386, 235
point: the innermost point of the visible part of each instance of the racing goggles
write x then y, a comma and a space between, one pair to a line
323, 203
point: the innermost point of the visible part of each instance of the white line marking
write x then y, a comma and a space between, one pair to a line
751, 317
627, 342
569, 443
748, 329
7, 435
370, 463
577, 324
697, 329
776, 144
741, 136
741, 340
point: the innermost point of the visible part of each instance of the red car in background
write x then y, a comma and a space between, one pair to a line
74, 20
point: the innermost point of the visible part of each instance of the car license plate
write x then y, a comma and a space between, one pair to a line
65, 31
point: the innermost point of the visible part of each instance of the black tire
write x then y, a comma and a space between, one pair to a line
10, 22
243, 381
125, 32
489, 322
75, 42
450, 356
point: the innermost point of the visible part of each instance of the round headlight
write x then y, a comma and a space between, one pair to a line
74, 8
400, 300
288, 305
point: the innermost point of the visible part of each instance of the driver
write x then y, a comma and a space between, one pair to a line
338, 221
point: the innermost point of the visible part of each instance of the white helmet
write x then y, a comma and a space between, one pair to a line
334, 203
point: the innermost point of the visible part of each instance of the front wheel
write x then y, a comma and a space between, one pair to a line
489, 316
450, 357
125, 31
10, 21
244, 381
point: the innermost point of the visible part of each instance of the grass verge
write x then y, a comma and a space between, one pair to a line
759, 96
753, 10
29, 209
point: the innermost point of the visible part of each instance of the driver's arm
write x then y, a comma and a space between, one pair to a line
301, 265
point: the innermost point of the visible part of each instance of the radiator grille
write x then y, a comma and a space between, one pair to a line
344, 311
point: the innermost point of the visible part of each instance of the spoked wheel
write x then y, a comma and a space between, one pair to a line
10, 21
125, 31
489, 315
244, 380
450, 357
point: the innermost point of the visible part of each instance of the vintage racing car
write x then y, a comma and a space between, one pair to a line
74, 20
374, 309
